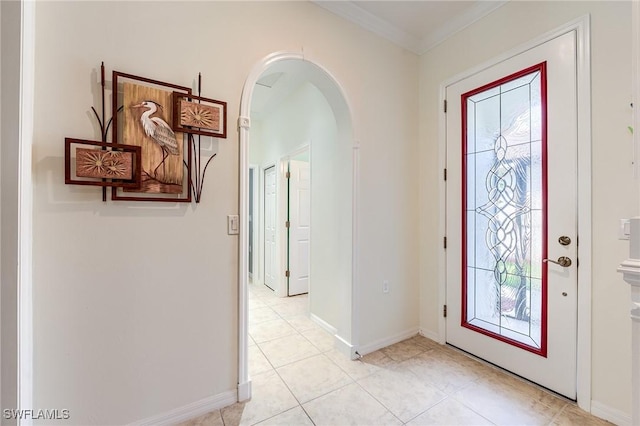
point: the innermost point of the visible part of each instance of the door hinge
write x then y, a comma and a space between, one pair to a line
287, 175
445, 106
445, 174
444, 311
445, 243
287, 224
287, 273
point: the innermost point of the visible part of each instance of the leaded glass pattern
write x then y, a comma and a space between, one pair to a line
504, 216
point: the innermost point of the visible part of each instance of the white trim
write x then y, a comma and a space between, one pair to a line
355, 254
378, 25
635, 85
583, 51
25, 210
255, 274
244, 391
458, 23
244, 125
430, 335
369, 21
190, 411
387, 341
345, 348
323, 324
610, 414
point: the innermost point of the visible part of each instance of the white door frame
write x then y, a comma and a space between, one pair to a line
582, 28
244, 125
18, 354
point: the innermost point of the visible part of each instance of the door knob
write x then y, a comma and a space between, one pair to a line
563, 261
564, 240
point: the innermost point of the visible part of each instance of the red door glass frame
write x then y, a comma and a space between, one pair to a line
542, 68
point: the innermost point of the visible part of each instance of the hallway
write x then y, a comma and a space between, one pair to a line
299, 379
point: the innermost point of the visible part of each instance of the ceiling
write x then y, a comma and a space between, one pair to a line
414, 25
417, 25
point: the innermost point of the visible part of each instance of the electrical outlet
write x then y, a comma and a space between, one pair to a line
385, 286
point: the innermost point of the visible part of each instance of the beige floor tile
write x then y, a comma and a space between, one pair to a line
292, 307
294, 417
288, 349
302, 322
425, 342
438, 369
571, 415
379, 359
320, 339
503, 404
270, 330
258, 363
402, 392
349, 405
213, 418
356, 369
261, 291
403, 350
502, 381
449, 412
256, 302
259, 315
270, 397
313, 377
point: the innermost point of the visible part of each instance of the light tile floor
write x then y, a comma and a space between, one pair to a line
299, 379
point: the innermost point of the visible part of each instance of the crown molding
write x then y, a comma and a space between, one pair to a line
354, 13
459, 23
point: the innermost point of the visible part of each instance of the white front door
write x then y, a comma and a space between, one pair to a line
270, 265
511, 210
300, 226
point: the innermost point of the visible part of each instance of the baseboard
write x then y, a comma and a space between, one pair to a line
345, 348
322, 323
431, 335
190, 411
387, 341
610, 414
244, 391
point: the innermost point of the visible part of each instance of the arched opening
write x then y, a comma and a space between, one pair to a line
334, 158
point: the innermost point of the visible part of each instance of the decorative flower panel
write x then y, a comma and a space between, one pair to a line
504, 209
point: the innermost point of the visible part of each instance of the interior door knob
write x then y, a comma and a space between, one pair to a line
563, 261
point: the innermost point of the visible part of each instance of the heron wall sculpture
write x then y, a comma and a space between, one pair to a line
159, 131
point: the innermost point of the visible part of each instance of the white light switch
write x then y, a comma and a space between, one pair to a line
624, 231
233, 224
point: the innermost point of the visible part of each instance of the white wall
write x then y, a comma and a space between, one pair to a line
136, 303
614, 190
306, 117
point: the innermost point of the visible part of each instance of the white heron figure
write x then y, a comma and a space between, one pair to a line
158, 130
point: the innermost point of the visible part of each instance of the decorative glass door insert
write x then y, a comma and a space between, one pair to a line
504, 223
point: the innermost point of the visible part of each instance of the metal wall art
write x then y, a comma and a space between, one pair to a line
101, 164
153, 145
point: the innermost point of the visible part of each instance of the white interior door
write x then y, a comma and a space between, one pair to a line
300, 226
270, 265
511, 205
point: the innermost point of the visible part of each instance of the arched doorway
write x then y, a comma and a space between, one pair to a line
341, 288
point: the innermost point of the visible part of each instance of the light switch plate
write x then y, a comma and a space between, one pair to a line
624, 230
233, 224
